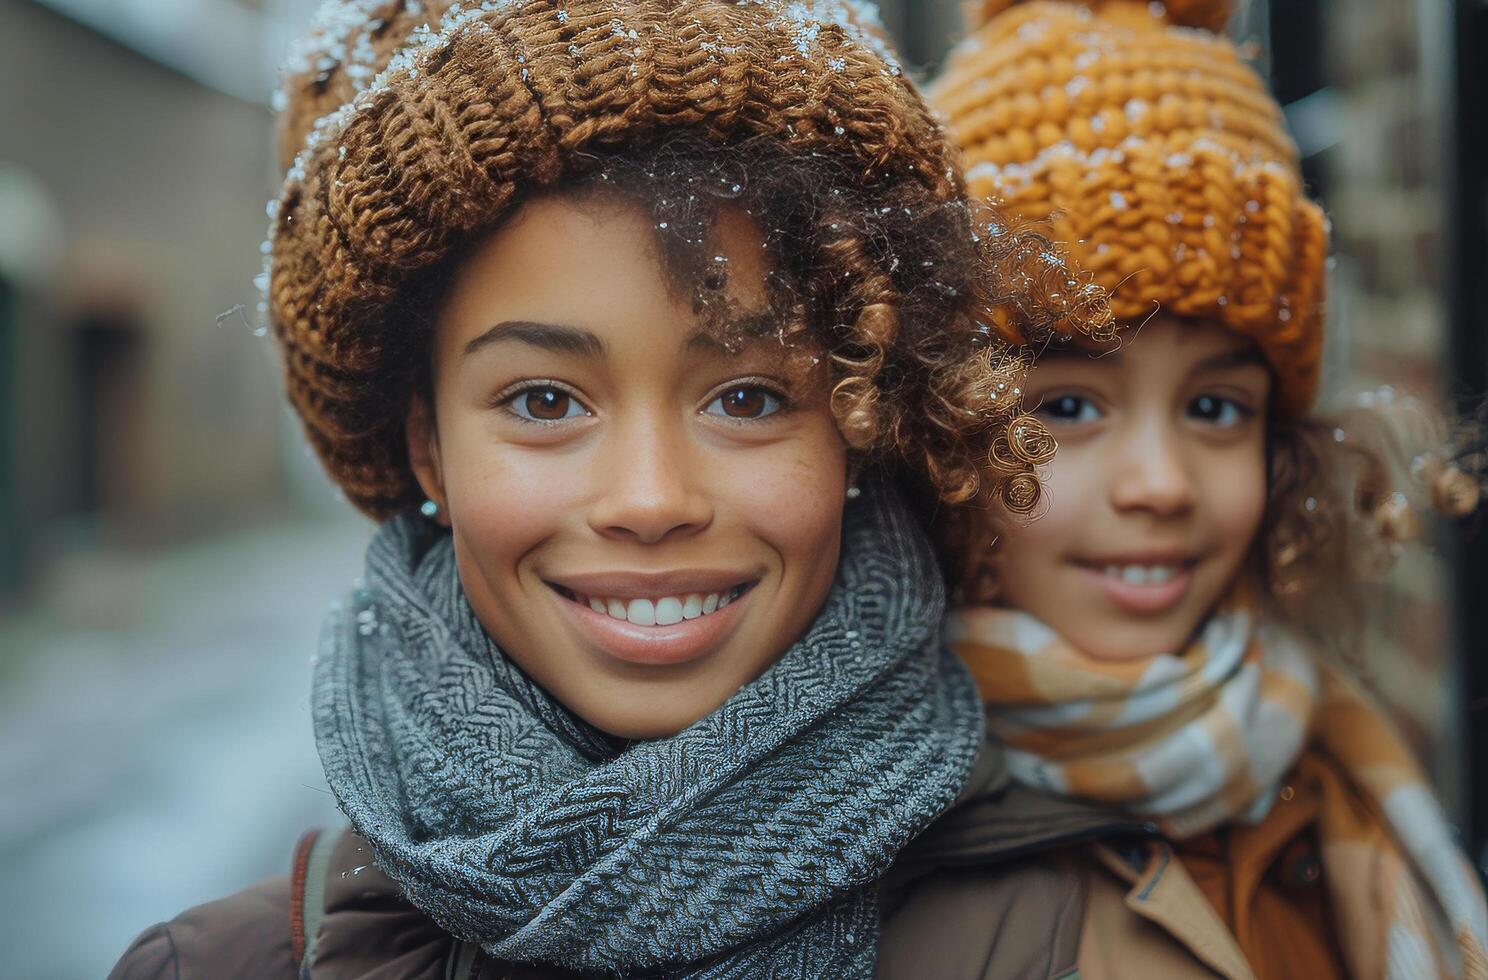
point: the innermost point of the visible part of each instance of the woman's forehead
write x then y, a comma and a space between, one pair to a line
593, 266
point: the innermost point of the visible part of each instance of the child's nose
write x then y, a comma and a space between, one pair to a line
1153, 473
649, 489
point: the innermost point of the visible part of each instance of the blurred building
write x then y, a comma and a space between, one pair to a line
135, 141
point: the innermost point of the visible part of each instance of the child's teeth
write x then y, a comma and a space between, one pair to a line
615, 608
710, 602
1142, 574
692, 606
598, 606
668, 611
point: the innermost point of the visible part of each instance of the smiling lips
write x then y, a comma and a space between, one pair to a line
654, 619
1147, 586
666, 611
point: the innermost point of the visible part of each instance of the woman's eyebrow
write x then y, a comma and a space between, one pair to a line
548, 336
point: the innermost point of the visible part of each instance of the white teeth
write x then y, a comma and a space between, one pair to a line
641, 612
668, 611
1142, 574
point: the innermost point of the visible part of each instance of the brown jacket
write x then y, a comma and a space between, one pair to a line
982, 894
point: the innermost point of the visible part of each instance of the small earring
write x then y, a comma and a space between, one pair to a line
429, 509
853, 493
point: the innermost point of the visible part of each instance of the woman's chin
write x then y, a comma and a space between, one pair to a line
648, 709
645, 725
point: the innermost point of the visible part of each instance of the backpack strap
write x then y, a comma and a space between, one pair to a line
312, 862
307, 894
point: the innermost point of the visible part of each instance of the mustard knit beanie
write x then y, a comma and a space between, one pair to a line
410, 126
1147, 143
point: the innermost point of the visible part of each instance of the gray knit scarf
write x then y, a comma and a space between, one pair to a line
746, 845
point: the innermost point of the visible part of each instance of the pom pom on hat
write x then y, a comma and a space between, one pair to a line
1211, 15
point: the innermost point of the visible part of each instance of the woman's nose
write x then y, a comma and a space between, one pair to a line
1153, 474
651, 486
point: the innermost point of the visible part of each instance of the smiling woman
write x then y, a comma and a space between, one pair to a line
643, 517
605, 310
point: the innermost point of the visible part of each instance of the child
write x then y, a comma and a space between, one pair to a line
615, 313
1148, 645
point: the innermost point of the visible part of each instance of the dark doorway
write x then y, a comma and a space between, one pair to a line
108, 392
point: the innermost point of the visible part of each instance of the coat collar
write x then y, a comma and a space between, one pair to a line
996, 820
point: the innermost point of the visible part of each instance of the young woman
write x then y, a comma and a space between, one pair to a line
616, 315
1152, 646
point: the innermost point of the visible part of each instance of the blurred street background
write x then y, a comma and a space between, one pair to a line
168, 548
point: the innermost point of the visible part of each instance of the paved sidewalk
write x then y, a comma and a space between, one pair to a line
155, 747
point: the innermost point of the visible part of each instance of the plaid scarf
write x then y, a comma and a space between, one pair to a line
1205, 735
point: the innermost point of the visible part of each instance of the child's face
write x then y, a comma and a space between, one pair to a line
1155, 494
643, 521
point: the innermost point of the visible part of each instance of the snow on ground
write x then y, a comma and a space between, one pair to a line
155, 746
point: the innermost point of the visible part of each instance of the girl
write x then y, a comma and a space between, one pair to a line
615, 314
1150, 645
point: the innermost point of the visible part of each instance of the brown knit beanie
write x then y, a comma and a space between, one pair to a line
408, 128
1147, 143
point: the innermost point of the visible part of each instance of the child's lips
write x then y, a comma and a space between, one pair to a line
1142, 588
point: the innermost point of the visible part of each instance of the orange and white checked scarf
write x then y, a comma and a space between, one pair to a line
1203, 736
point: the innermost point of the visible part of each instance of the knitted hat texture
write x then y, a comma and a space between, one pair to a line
1148, 144
408, 126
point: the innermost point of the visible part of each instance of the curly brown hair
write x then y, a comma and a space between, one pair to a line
1346, 487
883, 280
412, 128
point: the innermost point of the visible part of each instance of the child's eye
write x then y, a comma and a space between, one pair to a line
1069, 408
1218, 411
745, 402
545, 403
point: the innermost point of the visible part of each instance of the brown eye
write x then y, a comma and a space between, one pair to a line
546, 404
745, 402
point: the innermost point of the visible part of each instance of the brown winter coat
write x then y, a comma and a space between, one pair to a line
982, 880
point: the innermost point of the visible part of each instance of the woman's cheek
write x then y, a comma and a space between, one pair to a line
511, 498
791, 494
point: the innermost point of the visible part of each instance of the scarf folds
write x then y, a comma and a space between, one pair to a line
1204, 736
744, 846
